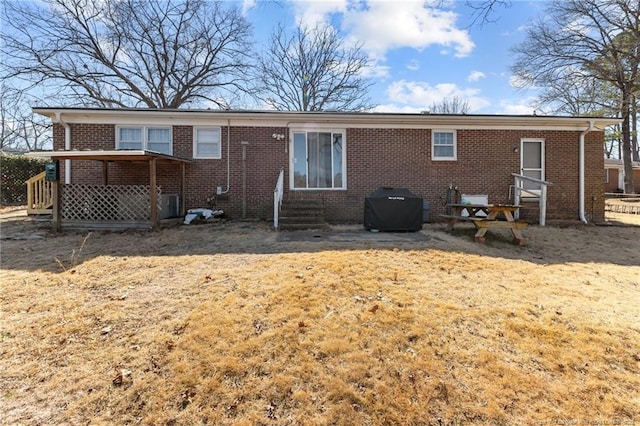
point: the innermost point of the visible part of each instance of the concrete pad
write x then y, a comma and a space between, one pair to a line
350, 234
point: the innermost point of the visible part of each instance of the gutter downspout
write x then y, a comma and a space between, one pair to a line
582, 167
228, 158
67, 147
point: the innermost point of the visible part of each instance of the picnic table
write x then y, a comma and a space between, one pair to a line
485, 217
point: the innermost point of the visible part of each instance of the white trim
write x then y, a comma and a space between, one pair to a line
455, 145
145, 136
320, 119
110, 152
542, 161
621, 179
101, 154
195, 131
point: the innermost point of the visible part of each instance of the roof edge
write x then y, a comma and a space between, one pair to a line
329, 116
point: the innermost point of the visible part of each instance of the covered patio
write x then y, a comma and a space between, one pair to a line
114, 207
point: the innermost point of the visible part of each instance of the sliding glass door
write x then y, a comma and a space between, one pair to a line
318, 160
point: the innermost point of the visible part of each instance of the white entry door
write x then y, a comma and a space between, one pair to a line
532, 165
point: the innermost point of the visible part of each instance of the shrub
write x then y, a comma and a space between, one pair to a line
14, 171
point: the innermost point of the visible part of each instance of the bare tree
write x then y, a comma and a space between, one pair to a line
484, 10
312, 70
590, 38
123, 53
577, 95
452, 105
22, 130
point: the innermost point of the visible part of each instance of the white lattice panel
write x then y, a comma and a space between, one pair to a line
108, 203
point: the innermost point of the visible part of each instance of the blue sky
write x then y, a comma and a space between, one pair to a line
422, 51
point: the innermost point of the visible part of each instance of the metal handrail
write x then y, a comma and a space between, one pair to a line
517, 190
278, 194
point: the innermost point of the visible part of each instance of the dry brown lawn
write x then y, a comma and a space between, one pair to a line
225, 323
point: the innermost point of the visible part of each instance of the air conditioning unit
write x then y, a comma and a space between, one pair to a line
169, 206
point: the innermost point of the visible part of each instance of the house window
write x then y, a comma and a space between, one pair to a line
606, 175
443, 145
129, 138
318, 160
206, 142
156, 139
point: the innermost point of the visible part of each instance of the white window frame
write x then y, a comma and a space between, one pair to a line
318, 129
433, 145
145, 136
195, 143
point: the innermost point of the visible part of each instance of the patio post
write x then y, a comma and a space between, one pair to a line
153, 195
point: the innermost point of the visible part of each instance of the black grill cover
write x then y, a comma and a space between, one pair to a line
393, 209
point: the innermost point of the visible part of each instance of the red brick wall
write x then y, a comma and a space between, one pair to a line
615, 186
375, 157
612, 185
594, 183
264, 158
485, 161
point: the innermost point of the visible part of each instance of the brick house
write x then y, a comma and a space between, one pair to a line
614, 175
336, 158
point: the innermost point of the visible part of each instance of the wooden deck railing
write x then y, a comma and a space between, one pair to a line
39, 195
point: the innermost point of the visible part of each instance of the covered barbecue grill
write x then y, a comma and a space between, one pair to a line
393, 209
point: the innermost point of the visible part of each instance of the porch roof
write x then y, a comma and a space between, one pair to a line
109, 155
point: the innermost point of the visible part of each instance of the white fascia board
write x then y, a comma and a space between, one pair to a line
80, 154
321, 120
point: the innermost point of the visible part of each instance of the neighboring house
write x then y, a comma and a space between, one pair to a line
614, 175
337, 158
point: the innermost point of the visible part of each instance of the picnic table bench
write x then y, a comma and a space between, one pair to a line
485, 217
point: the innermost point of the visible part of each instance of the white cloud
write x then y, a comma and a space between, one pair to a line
247, 5
385, 25
376, 70
312, 12
393, 108
413, 65
475, 76
518, 107
420, 95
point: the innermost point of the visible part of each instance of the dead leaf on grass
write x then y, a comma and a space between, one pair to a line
120, 377
117, 380
374, 309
